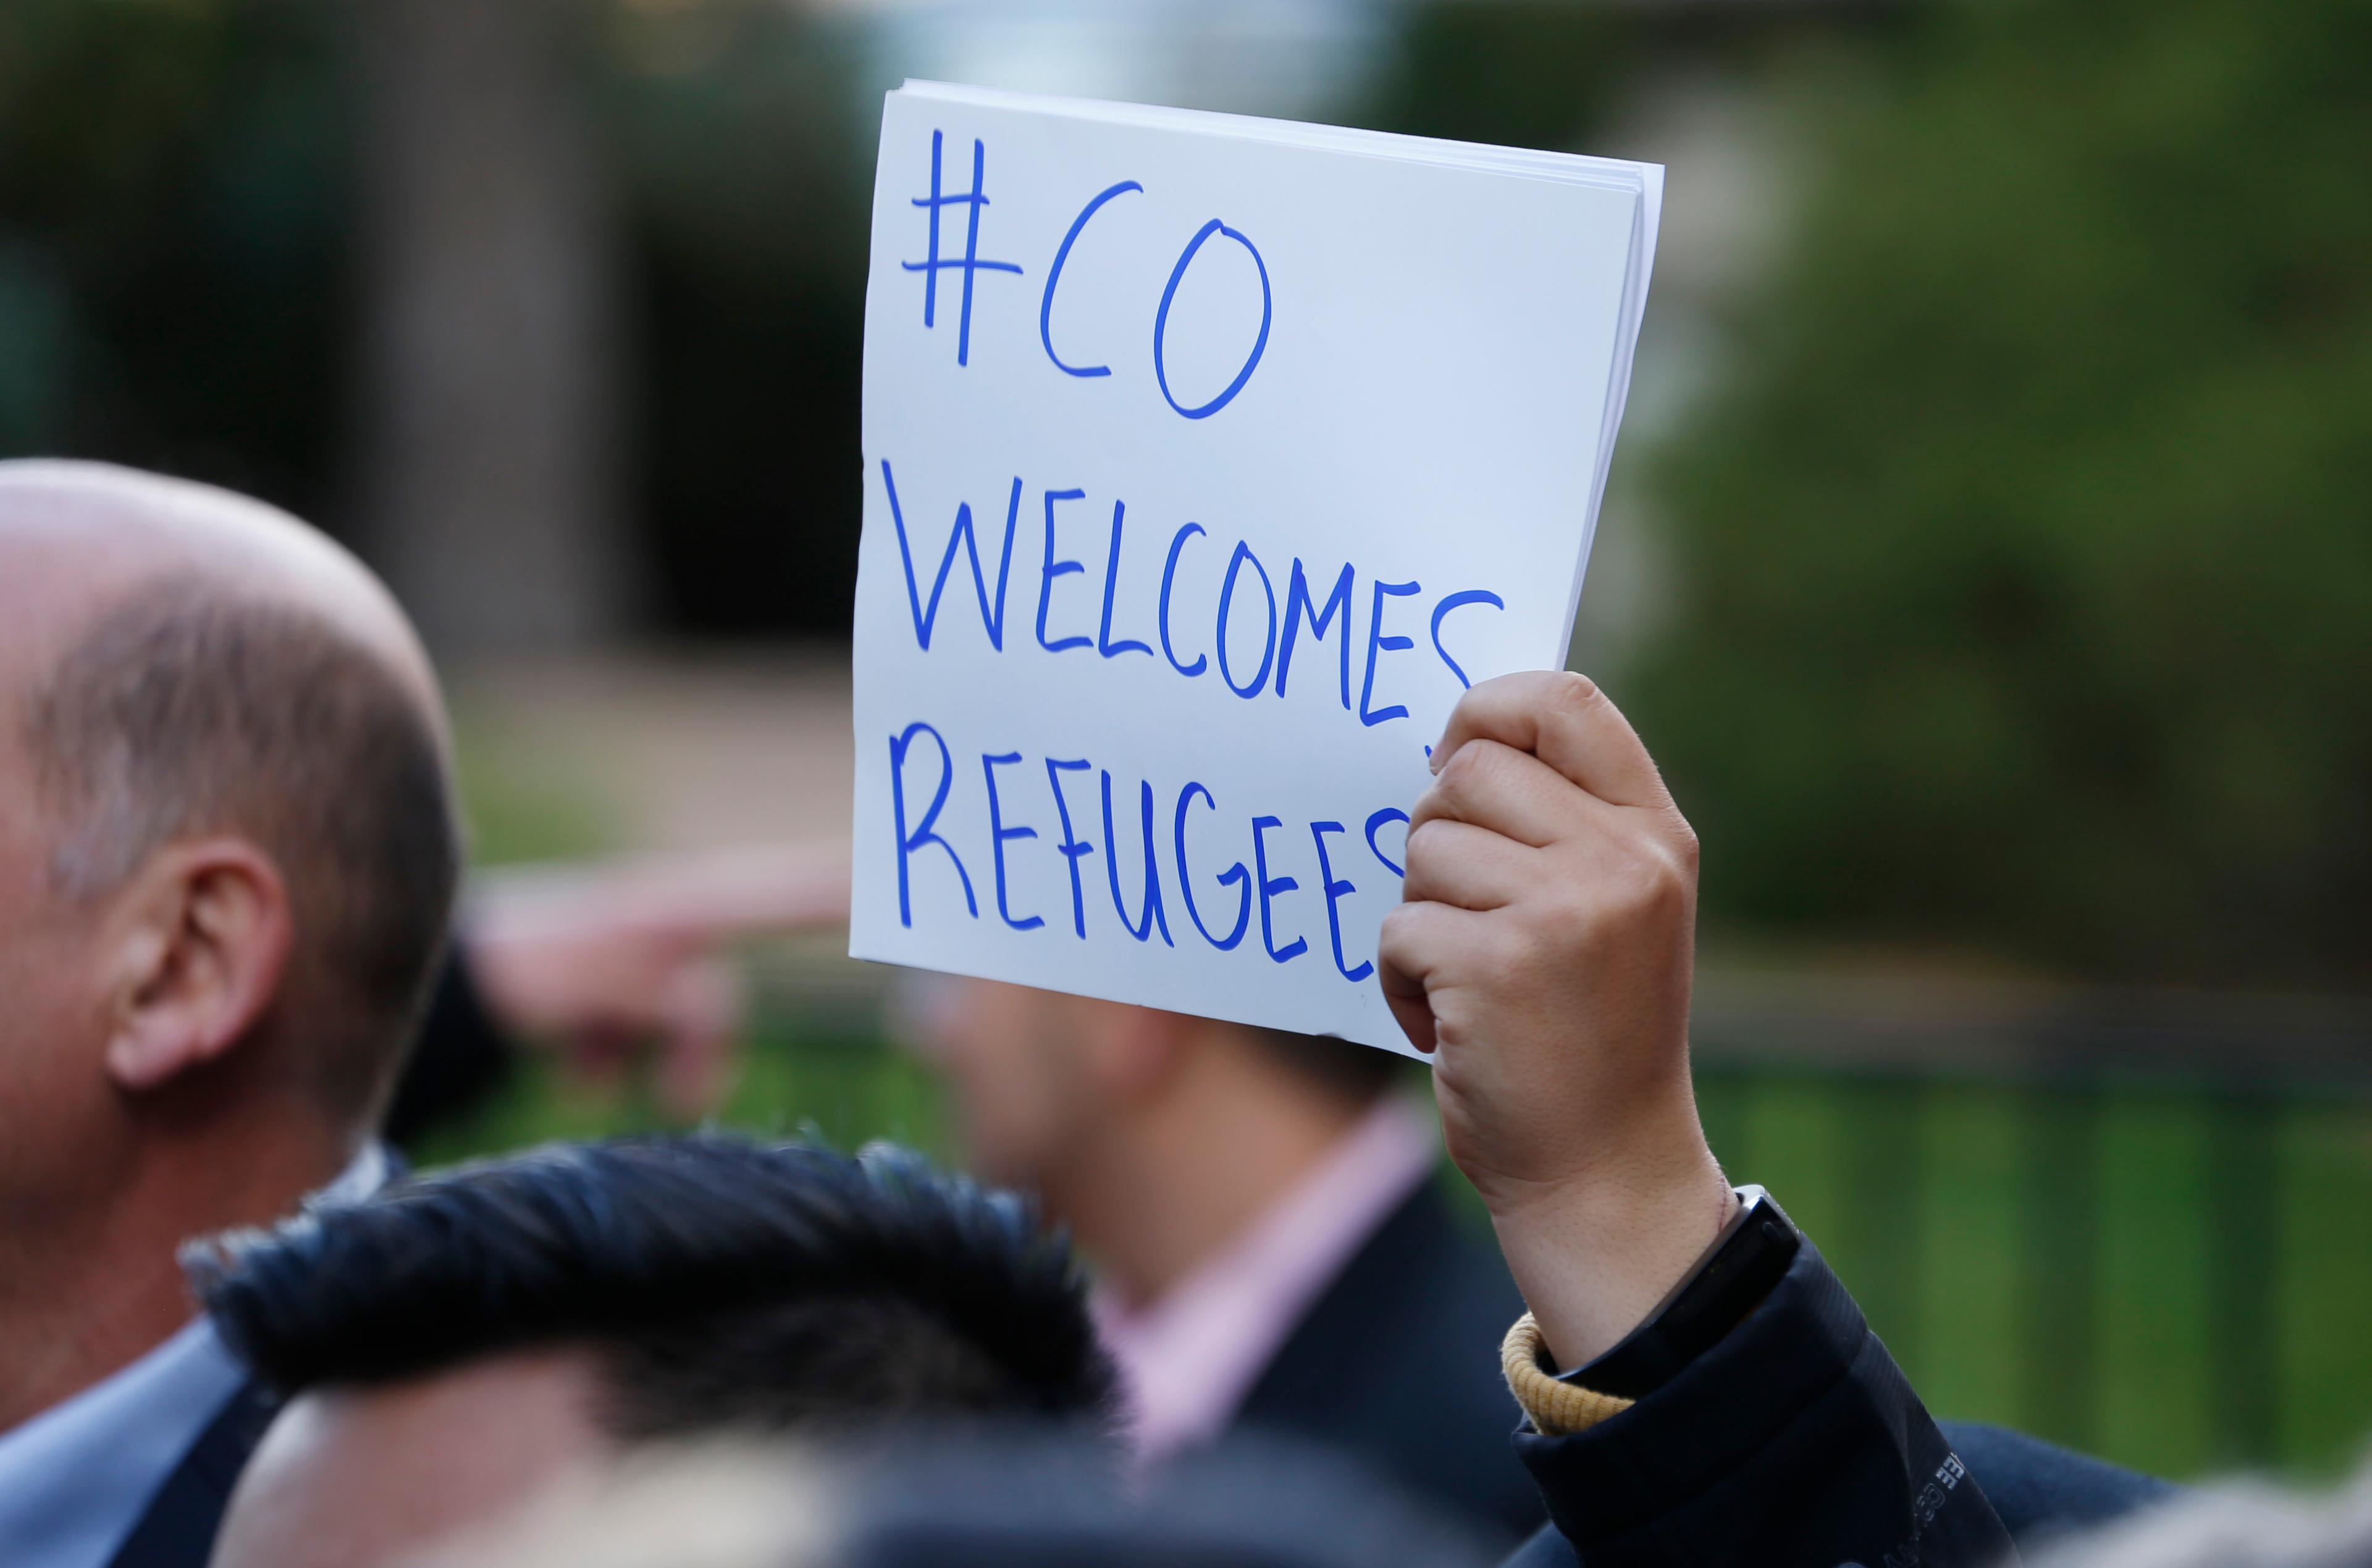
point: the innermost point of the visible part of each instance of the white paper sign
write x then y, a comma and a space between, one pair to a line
1206, 461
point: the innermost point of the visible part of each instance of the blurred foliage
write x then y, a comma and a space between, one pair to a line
2025, 577
745, 156
2028, 558
518, 813
175, 195
797, 1076
1525, 73
179, 270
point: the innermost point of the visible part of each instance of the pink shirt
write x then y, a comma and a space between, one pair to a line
1188, 1360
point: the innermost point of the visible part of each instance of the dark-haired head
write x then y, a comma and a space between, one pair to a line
556, 1305
719, 1282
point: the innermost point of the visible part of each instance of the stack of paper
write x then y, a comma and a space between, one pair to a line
1207, 461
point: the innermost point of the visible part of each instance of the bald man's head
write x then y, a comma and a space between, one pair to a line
188, 666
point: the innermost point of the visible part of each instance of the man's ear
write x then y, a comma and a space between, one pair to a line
200, 941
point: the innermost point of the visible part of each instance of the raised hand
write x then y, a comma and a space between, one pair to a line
1543, 952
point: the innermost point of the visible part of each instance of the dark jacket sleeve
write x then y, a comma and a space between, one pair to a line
1793, 1441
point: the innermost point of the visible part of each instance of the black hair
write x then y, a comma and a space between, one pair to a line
719, 1283
184, 710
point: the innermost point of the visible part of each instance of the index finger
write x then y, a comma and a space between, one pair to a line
1565, 721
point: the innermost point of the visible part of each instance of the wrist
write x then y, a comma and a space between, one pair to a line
1594, 1255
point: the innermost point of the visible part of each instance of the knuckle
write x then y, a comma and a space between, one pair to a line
1460, 770
1461, 777
1573, 691
1426, 841
1657, 880
1686, 850
1615, 891
1427, 858
1495, 687
1569, 919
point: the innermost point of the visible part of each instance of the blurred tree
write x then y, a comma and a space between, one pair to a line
1519, 73
491, 465
746, 163
555, 308
2029, 557
173, 252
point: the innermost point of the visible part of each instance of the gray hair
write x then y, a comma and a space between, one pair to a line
185, 710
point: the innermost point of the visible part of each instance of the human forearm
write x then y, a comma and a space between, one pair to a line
1545, 954
1594, 1256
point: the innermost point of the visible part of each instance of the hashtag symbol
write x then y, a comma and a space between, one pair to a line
933, 264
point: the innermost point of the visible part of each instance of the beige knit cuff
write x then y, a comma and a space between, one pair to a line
1558, 1410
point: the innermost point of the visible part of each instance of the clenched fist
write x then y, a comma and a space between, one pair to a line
1543, 953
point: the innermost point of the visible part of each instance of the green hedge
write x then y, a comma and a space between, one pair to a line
2027, 554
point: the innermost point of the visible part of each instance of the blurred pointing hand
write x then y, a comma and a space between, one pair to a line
1543, 952
602, 964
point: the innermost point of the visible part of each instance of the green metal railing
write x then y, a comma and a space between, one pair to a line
2137, 1225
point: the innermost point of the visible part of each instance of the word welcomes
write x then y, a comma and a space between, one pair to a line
1247, 457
